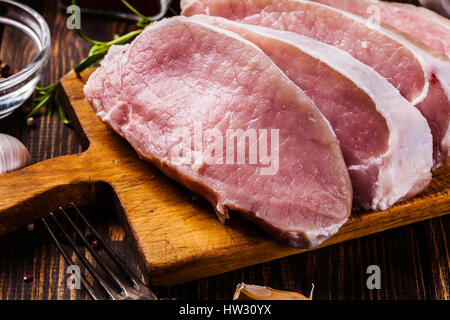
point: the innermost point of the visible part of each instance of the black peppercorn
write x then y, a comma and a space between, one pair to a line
4, 70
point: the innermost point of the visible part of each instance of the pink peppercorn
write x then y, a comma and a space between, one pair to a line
27, 277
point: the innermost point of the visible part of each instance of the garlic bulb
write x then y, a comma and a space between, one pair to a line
13, 154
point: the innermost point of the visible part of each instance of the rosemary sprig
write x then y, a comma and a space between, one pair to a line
145, 21
48, 96
99, 50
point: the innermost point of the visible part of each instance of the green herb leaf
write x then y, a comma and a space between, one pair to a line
89, 61
39, 106
61, 113
48, 95
135, 11
125, 38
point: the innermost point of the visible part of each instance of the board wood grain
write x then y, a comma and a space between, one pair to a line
176, 239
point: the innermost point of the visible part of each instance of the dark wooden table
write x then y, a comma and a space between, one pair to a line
414, 260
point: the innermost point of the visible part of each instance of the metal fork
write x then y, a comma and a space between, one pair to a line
136, 291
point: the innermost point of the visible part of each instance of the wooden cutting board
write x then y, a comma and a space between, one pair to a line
176, 239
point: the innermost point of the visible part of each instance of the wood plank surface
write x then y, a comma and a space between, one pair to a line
414, 259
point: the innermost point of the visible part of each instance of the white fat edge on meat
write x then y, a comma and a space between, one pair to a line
407, 7
184, 4
381, 92
430, 63
251, 44
418, 52
222, 205
440, 67
425, 66
376, 86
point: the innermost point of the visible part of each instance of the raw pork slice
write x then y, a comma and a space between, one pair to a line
386, 142
422, 23
183, 79
421, 75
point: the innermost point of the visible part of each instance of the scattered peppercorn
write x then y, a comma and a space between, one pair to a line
31, 122
27, 277
92, 240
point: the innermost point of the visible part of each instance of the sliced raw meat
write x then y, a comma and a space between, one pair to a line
180, 76
421, 75
422, 23
386, 142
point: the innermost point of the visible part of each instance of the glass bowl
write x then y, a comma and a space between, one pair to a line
25, 48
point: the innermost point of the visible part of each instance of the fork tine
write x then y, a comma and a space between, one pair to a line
111, 293
119, 283
112, 254
69, 261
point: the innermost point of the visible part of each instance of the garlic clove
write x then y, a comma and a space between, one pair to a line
13, 154
253, 292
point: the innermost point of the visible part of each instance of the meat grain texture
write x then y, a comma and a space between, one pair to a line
420, 74
181, 72
379, 131
422, 23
